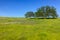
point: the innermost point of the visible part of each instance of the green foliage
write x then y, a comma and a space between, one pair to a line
47, 12
43, 12
29, 14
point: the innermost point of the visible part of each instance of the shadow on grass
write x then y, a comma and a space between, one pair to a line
22, 38
43, 36
43, 18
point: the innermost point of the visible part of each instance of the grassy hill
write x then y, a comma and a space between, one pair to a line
29, 29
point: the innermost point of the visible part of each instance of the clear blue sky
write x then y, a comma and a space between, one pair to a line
17, 8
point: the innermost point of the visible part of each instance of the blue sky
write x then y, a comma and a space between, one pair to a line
17, 8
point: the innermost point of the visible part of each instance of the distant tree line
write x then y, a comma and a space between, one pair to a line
43, 12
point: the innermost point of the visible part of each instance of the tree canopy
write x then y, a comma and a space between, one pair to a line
29, 14
43, 12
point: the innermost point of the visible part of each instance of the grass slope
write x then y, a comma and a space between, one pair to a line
30, 29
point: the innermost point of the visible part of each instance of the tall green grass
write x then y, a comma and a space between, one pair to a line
30, 29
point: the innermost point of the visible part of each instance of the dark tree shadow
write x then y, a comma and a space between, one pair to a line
43, 18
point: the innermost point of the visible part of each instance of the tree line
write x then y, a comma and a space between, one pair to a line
43, 12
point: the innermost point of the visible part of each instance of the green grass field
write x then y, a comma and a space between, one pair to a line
29, 29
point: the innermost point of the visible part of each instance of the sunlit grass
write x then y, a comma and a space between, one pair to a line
30, 29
